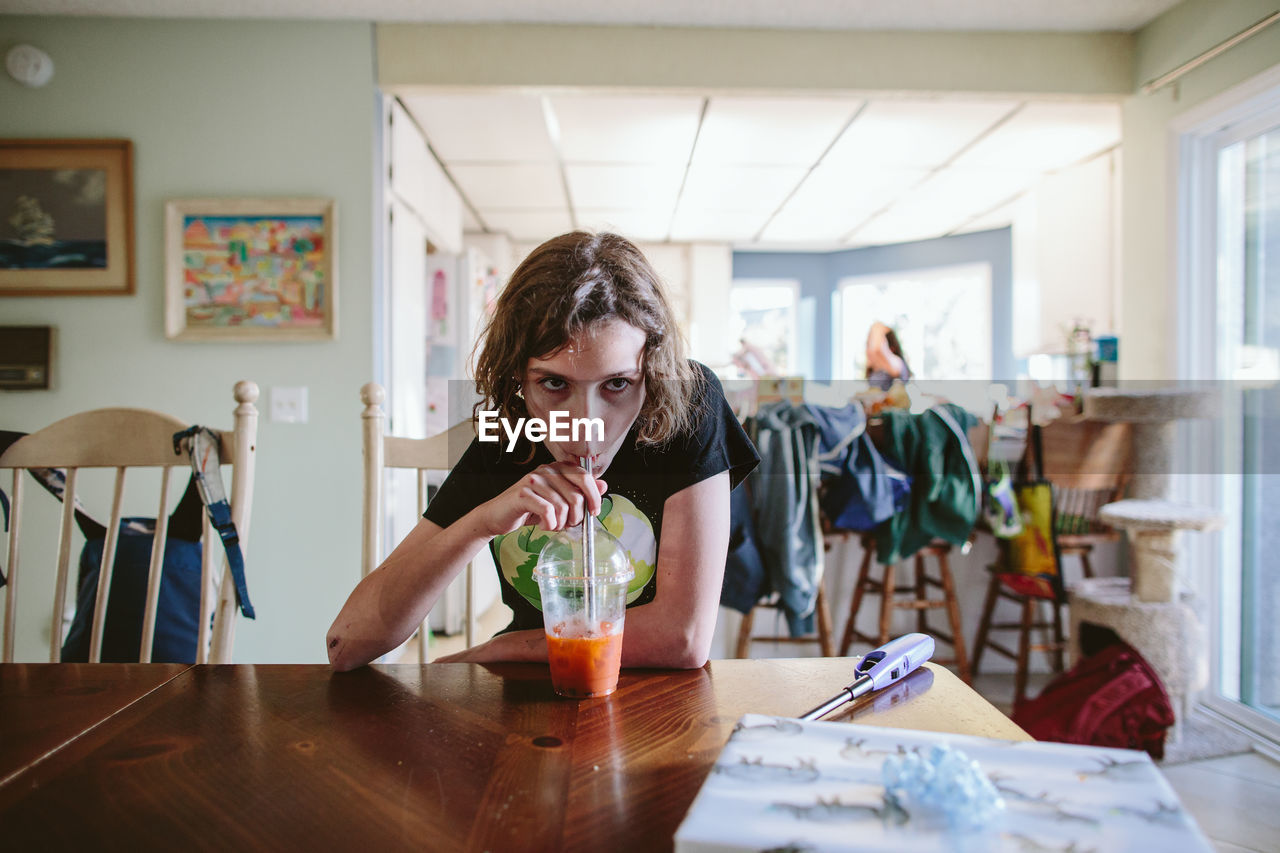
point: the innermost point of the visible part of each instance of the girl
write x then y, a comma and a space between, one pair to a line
583, 327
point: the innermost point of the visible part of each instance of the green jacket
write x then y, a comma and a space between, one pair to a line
946, 487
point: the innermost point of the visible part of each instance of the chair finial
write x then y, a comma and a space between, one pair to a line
372, 394
246, 391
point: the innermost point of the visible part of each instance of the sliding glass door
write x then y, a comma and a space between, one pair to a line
1231, 307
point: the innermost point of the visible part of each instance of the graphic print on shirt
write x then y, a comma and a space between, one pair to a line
517, 551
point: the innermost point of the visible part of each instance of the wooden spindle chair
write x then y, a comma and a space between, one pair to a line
124, 439
1087, 464
421, 455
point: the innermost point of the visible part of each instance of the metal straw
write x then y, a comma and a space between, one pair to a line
589, 550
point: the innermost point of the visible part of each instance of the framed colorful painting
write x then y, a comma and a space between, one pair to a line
66, 217
251, 269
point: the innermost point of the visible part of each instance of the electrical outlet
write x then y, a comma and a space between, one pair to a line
289, 405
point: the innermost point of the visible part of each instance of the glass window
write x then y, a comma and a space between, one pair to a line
941, 316
763, 326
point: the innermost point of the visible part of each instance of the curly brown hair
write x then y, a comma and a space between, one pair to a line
562, 288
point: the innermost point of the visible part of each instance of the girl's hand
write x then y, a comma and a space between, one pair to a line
552, 496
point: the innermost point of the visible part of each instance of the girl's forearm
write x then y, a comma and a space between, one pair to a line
514, 647
388, 606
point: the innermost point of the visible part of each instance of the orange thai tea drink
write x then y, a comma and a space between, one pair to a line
583, 613
584, 660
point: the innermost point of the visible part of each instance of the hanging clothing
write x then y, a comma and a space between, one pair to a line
946, 494
782, 519
860, 489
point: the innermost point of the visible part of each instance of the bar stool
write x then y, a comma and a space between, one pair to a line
892, 598
822, 637
1030, 594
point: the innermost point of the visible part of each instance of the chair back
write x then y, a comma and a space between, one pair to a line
1088, 464
383, 452
124, 439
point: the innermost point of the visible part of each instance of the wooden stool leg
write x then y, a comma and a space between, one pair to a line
824, 622
1024, 647
922, 593
744, 634
1058, 640
984, 627
886, 604
864, 570
953, 612
1085, 564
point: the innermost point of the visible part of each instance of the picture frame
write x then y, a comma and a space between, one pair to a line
66, 217
251, 269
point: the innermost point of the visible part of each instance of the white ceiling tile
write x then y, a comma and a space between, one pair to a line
903, 226
625, 187
771, 131
484, 128
944, 203
916, 133
626, 128
803, 225
639, 225
971, 190
533, 226
1046, 136
853, 190
693, 225
510, 185
753, 188
999, 218
469, 221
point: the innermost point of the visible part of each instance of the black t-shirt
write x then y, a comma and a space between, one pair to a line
640, 478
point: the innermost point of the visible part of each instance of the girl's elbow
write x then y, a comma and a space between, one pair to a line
689, 651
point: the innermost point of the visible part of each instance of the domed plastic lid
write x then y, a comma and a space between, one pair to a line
564, 548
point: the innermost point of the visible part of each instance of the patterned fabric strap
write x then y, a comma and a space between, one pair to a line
202, 445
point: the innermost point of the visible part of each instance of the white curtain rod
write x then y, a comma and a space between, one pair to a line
1171, 76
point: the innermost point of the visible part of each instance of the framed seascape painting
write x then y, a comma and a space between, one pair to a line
66, 217
251, 269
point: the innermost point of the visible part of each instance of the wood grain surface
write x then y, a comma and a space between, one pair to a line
45, 706
446, 756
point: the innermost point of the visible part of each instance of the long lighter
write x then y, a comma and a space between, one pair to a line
880, 668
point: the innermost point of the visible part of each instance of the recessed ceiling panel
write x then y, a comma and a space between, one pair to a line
625, 187
770, 131
915, 133
532, 226
641, 225
944, 203
754, 188
861, 189
903, 225
484, 128
1046, 136
715, 226
510, 186
626, 129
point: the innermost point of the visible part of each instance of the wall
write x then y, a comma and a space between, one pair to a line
412, 55
1147, 311
223, 108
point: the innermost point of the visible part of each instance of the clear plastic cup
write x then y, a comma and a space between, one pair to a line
583, 618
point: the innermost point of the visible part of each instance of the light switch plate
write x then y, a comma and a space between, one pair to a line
289, 405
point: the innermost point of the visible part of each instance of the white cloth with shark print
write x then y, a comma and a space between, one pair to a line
784, 784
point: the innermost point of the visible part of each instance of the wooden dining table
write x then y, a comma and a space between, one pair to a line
450, 756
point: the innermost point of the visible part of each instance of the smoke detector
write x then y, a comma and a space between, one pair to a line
29, 65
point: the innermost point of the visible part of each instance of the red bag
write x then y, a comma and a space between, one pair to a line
1111, 698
